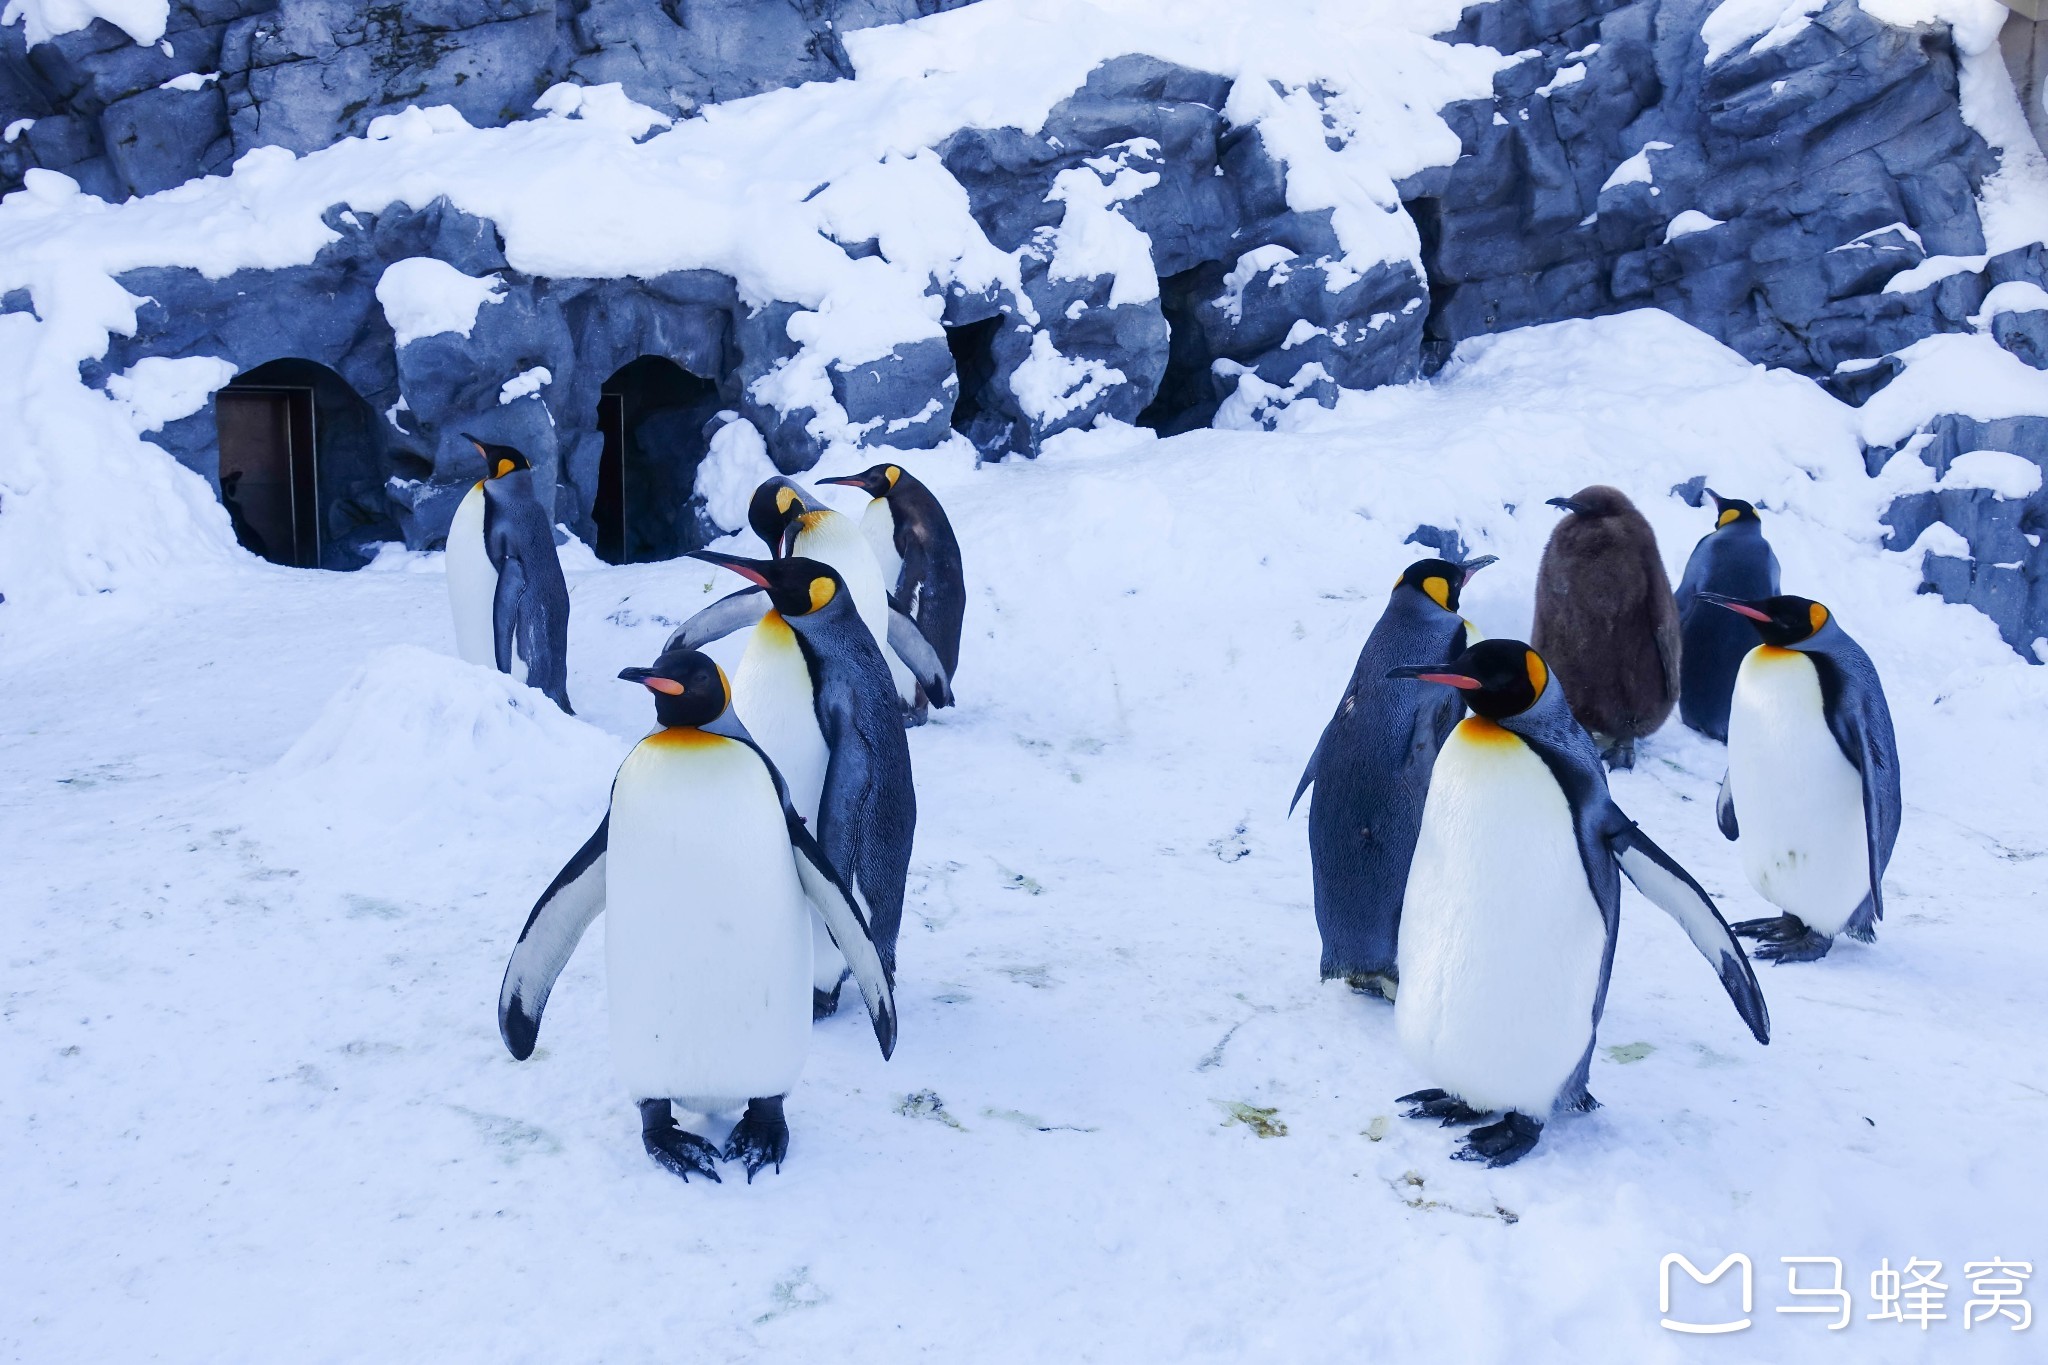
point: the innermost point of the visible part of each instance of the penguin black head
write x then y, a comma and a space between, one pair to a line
1728, 511
1440, 580
797, 587
1595, 500
773, 513
877, 482
688, 688
1786, 622
1499, 678
498, 460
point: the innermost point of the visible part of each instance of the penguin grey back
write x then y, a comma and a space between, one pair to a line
1733, 560
931, 587
1606, 621
530, 610
1370, 770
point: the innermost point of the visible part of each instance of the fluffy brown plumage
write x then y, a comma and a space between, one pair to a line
1606, 621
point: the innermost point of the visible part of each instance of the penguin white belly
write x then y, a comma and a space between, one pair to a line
1798, 798
472, 582
1501, 939
878, 524
836, 540
707, 945
772, 693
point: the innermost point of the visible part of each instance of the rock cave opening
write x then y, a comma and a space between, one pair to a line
301, 466
1188, 394
656, 419
1437, 344
974, 364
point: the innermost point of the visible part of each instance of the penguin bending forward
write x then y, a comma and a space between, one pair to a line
505, 581
1513, 904
1732, 560
707, 873
1814, 764
788, 525
918, 554
1606, 621
815, 682
1370, 770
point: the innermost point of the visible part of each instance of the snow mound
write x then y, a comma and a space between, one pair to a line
42, 20
734, 466
419, 736
423, 297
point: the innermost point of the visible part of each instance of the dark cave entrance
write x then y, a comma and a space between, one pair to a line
1437, 343
655, 417
1187, 398
973, 345
300, 466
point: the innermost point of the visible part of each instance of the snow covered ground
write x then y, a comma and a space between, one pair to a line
266, 850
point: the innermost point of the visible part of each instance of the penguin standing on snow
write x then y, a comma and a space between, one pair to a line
1606, 621
1371, 771
1732, 560
919, 557
505, 581
788, 525
815, 681
1813, 769
709, 877
1513, 904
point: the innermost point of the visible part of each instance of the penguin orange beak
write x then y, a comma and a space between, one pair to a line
651, 680
746, 568
850, 480
1432, 673
1739, 608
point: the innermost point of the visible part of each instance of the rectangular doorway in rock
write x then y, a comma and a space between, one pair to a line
268, 476
656, 418
1188, 396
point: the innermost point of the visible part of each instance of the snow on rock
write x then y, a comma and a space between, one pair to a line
607, 104
734, 466
2006, 475
1634, 170
42, 20
524, 384
1689, 222
1772, 23
157, 390
423, 297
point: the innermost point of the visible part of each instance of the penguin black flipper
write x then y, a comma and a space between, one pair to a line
1724, 811
1861, 723
1308, 774
734, 611
573, 899
920, 658
1672, 889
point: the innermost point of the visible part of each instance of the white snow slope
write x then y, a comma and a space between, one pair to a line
267, 849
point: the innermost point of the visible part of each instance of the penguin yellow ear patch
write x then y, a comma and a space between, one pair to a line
1539, 673
504, 467
822, 591
1439, 589
1817, 615
1729, 515
892, 473
724, 683
783, 498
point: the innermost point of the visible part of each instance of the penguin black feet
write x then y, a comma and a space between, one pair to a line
1441, 1104
683, 1154
1380, 985
1618, 754
760, 1138
1784, 938
825, 1004
1503, 1143
917, 713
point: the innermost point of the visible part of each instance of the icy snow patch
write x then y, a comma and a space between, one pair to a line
424, 297
524, 383
159, 389
1635, 170
607, 105
1049, 385
1735, 22
1689, 222
2014, 296
190, 81
42, 20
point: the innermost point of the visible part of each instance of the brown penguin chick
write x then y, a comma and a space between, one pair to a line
1606, 620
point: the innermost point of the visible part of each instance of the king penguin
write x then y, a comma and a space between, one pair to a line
1813, 768
789, 525
1606, 620
710, 877
814, 683
1732, 560
1513, 903
505, 581
919, 557
1370, 770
